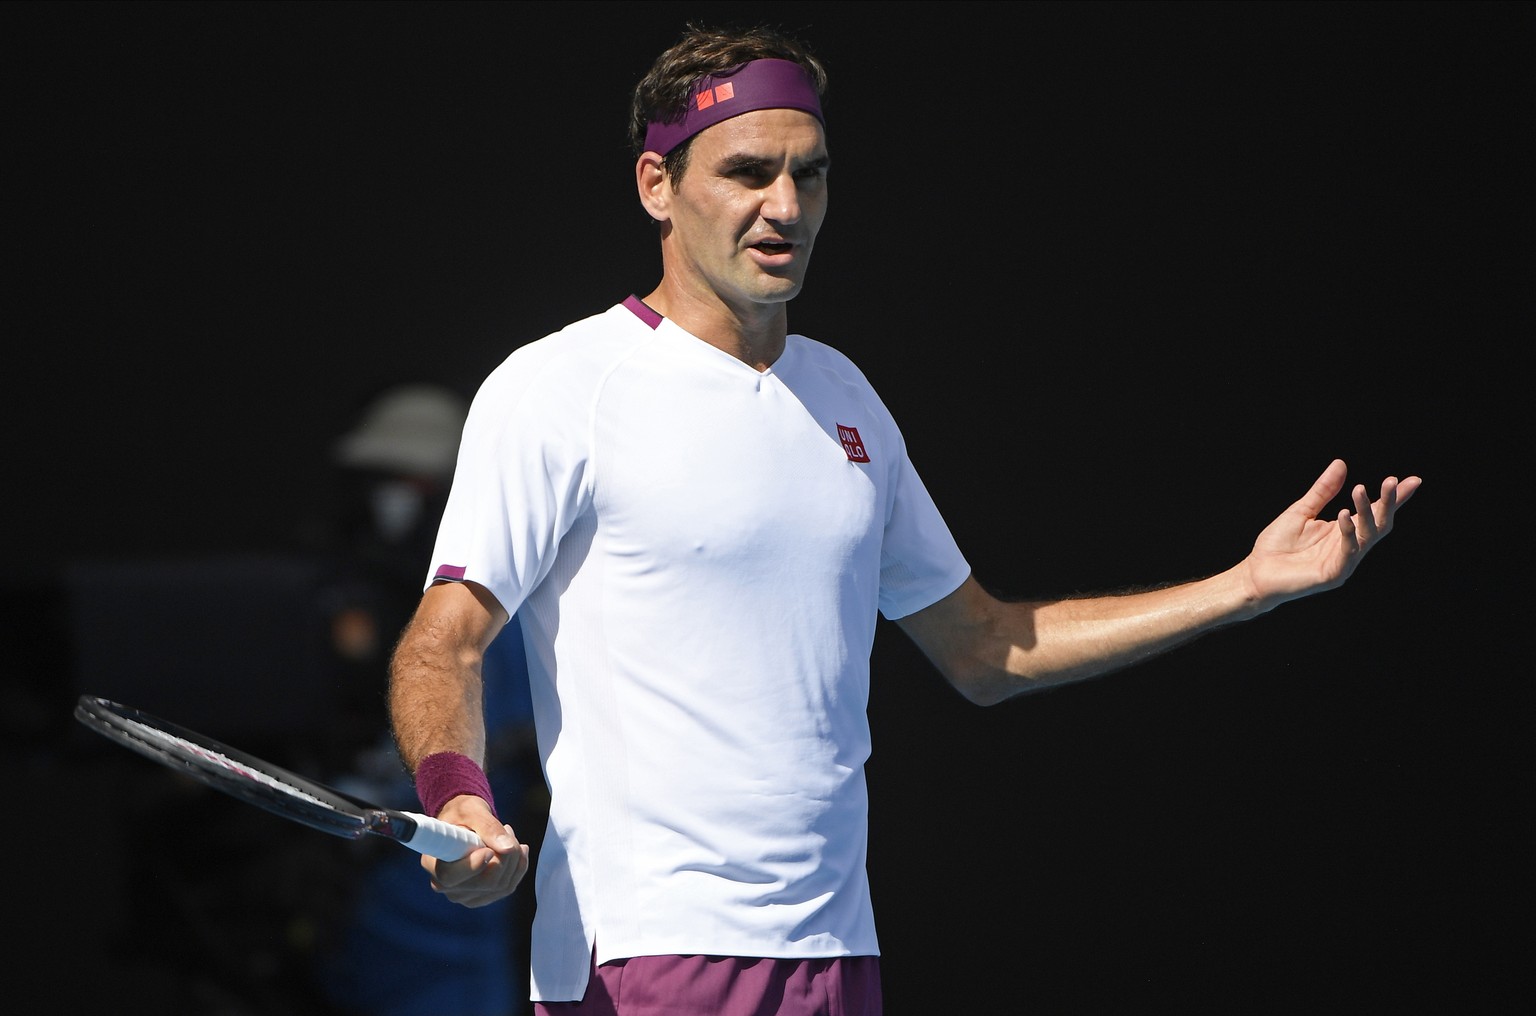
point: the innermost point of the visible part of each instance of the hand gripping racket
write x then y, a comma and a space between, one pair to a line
268, 786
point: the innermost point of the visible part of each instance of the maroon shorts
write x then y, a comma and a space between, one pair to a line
728, 986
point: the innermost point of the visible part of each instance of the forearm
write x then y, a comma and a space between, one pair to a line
1071, 639
435, 689
992, 649
434, 702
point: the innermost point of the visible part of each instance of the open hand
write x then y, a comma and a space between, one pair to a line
1302, 552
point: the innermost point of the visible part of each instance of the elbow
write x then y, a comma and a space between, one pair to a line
984, 695
987, 686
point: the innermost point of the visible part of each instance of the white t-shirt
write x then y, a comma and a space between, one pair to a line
697, 553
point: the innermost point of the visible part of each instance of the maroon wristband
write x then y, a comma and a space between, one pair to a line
445, 775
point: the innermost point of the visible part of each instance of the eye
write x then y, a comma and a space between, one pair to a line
813, 171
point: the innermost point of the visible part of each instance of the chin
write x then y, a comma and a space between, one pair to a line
777, 290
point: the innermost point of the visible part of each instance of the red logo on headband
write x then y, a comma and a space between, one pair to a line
710, 96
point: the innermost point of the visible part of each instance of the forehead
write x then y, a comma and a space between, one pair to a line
766, 133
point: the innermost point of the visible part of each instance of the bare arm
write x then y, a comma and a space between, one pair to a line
435, 703
991, 650
434, 677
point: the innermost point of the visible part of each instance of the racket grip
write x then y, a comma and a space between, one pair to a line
442, 840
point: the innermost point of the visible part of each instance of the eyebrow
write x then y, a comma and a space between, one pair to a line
741, 161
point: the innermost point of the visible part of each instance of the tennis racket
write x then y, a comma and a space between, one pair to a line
268, 786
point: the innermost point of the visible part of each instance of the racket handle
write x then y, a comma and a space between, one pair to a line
442, 840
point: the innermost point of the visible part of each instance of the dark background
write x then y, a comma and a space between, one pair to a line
1129, 274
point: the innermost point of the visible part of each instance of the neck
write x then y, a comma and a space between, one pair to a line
754, 334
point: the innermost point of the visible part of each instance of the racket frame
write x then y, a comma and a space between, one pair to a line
305, 801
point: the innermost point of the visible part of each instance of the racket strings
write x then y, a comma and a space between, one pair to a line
158, 738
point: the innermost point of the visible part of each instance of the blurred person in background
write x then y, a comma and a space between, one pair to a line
401, 950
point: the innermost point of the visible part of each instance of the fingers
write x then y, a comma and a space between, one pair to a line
1349, 533
484, 875
1324, 489
1366, 521
1376, 518
1372, 520
482, 878
1405, 489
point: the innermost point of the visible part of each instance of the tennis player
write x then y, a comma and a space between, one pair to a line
696, 516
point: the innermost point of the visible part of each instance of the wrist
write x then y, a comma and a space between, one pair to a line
444, 775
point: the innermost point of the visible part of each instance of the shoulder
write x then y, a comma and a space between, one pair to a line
563, 363
593, 339
810, 354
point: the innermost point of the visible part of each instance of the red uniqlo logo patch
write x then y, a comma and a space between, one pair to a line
852, 443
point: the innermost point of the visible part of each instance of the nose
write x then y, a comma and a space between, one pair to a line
781, 199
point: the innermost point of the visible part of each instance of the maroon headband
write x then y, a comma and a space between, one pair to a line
757, 84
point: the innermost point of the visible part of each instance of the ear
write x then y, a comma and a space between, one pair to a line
651, 182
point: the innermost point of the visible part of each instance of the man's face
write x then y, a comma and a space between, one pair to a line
749, 205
